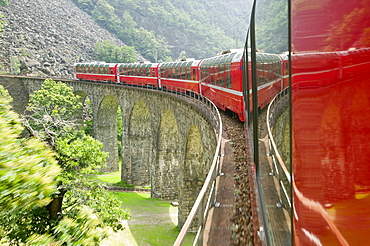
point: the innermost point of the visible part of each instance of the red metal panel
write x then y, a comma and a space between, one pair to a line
331, 122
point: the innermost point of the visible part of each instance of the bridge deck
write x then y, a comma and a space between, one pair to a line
218, 229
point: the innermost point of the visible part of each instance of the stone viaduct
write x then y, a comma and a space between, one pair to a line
168, 143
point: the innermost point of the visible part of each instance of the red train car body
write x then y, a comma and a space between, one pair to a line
182, 74
96, 71
331, 122
221, 81
141, 74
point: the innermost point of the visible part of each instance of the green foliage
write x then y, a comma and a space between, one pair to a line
159, 30
107, 51
81, 155
27, 176
80, 209
103, 13
16, 65
27, 168
1, 22
4, 3
151, 46
182, 56
83, 230
103, 204
54, 112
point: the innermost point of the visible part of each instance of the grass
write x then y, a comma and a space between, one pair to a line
153, 221
113, 179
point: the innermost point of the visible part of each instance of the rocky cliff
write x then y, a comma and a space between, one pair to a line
45, 37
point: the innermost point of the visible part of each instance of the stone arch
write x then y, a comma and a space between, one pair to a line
138, 163
82, 95
193, 173
105, 130
165, 182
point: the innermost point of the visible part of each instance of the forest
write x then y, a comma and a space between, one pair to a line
162, 30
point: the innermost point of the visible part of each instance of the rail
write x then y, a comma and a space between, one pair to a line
279, 169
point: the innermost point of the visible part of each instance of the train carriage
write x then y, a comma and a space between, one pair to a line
181, 74
96, 71
221, 81
140, 74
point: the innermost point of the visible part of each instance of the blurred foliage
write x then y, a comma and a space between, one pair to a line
107, 51
4, 3
27, 168
160, 30
15, 65
77, 209
27, 173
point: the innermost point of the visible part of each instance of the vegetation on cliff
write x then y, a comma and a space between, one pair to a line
161, 30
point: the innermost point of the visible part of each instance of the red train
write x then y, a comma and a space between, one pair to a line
218, 78
330, 127
331, 122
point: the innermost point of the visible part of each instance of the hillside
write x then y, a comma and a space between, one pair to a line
43, 37
162, 29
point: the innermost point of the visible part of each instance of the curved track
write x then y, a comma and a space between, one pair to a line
242, 220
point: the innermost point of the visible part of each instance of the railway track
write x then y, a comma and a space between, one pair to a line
242, 219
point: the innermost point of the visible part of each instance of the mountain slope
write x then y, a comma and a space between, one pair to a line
45, 37
167, 27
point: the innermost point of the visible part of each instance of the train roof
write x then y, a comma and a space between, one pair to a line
138, 65
225, 57
95, 64
191, 63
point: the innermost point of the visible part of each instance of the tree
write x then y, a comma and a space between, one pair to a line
151, 46
80, 208
105, 16
4, 3
27, 170
107, 51
54, 111
182, 56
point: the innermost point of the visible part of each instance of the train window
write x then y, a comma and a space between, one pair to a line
183, 74
222, 75
193, 74
178, 72
228, 76
148, 70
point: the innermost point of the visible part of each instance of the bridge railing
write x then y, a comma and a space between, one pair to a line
279, 168
201, 102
